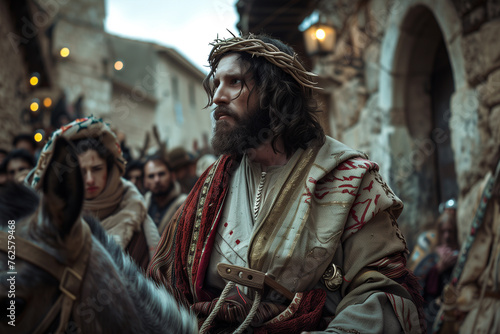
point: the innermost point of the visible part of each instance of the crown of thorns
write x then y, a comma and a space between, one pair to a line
257, 48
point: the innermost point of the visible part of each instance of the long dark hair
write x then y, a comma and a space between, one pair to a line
291, 107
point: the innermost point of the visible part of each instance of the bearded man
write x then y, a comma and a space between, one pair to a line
164, 195
289, 230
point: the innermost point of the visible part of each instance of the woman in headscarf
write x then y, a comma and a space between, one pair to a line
113, 200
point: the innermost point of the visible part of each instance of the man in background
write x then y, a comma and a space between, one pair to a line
17, 164
26, 142
163, 195
183, 165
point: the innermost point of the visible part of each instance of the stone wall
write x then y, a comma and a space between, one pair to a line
135, 98
86, 70
383, 107
13, 81
182, 119
477, 138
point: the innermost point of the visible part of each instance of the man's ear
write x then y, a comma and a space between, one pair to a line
63, 187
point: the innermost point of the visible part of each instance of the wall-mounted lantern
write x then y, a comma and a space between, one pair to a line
319, 37
319, 40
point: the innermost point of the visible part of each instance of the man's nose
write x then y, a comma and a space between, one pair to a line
221, 95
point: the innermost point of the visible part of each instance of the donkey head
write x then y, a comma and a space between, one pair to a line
109, 294
51, 223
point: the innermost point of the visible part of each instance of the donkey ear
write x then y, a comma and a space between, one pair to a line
63, 187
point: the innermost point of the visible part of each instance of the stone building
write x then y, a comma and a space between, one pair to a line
18, 44
155, 87
415, 84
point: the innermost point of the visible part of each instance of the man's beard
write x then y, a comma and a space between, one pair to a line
249, 131
163, 193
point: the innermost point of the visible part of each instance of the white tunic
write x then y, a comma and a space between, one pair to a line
252, 195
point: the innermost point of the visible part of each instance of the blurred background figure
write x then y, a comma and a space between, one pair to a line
446, 255
164, 194
123, 145
434, 257
78, 107
60, 114
183, 165
26, 142
3, 154
3, 174
17, 164
204, 162
472, 298
135, 174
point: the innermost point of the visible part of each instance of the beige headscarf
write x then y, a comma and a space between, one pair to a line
120, 207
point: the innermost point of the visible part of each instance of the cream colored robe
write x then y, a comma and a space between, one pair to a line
325, 209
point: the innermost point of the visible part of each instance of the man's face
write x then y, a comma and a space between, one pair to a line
157, 178
447, 232
238, 117
17, 169
25, 145
232, 90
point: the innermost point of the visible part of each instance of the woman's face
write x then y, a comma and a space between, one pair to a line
95, 173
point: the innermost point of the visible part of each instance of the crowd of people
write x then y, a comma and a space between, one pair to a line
434, 257
133, 199
279, 200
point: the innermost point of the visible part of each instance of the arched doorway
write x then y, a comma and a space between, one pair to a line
428, 90
442, 88
420, 74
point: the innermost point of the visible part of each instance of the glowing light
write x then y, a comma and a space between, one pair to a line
34, 106
64, 52
118, 65
320, 34
34, 80
47, 102
319, 39
38, 137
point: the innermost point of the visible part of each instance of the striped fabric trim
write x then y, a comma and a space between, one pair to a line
391, 267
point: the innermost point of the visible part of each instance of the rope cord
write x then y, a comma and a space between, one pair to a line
241, 328
218, 305
250, 315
